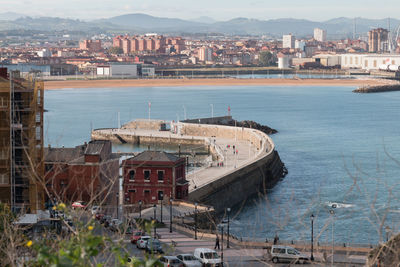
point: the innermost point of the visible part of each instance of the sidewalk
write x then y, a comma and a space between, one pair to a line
235, 255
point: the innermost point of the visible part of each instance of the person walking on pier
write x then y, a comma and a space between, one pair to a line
217, 242
276, 239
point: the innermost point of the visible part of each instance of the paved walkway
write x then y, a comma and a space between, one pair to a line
232, 160
237, 256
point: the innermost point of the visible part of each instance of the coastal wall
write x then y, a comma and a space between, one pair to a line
235, 187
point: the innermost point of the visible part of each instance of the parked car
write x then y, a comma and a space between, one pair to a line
94, 210
114, 224
154, 246
136, 235
287, 254
189, 260
142, 241
171, 261
208, 257
79, 204
99, 216
106, 220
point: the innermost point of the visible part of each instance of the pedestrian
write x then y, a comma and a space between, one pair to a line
217, 242
276, 239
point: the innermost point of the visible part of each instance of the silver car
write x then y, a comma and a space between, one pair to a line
287, 254
171, 261
189, 260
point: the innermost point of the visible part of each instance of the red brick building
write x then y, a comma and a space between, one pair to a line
90, 45
152, 176
86, 172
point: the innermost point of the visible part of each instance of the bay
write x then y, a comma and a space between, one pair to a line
339, 147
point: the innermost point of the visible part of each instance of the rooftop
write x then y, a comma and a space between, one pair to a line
155, 156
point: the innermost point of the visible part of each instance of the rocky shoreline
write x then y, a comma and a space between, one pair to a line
378, 88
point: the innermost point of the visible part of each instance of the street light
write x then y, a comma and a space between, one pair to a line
117, 205
222, 245
161, 198
195, 221
312, 237
155, 221
140, 209
227, 238
170, 214
332, 212
387, 230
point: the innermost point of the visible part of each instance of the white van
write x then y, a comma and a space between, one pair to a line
287, 254
208, 257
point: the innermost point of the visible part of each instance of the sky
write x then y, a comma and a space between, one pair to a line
317, 10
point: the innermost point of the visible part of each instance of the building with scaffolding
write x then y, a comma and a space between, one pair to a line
21, 142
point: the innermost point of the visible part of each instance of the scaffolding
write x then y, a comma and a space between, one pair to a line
21, 142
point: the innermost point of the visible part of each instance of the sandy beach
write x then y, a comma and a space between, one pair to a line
52, 85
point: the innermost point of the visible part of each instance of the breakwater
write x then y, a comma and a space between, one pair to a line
260, 173
378, 88
215, 186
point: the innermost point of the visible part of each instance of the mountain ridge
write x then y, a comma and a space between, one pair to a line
142, 23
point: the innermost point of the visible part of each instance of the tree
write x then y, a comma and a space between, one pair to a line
266, 58
116, 50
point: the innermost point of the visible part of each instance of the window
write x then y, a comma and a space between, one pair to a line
160, 175
132, 190
146, 192
160, 195
366, 63
351, 60
131, 175
356, 59
147, 175
48, 167
375, 64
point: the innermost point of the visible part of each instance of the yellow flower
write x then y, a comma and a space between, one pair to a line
54, 207
29, 243
90, 227
61, 206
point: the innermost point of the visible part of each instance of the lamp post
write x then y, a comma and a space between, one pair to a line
170, 215
117, 206
387, 230
140, 209
161, 198
222, 245
195, 221
227, 238
155, 221
312, 237
332, 212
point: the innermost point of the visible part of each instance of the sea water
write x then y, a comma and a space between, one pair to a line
340, 149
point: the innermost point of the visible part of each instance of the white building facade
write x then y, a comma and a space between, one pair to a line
320, 35
368, 61
288, 41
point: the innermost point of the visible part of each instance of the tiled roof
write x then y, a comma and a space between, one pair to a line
159, 156
63, 154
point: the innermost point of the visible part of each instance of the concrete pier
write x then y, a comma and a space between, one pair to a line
251, 167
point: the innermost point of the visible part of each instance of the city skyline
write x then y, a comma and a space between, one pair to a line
221, 10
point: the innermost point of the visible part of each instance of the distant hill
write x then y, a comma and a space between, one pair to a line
147, 22
10, 16
142, 23
204, 19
